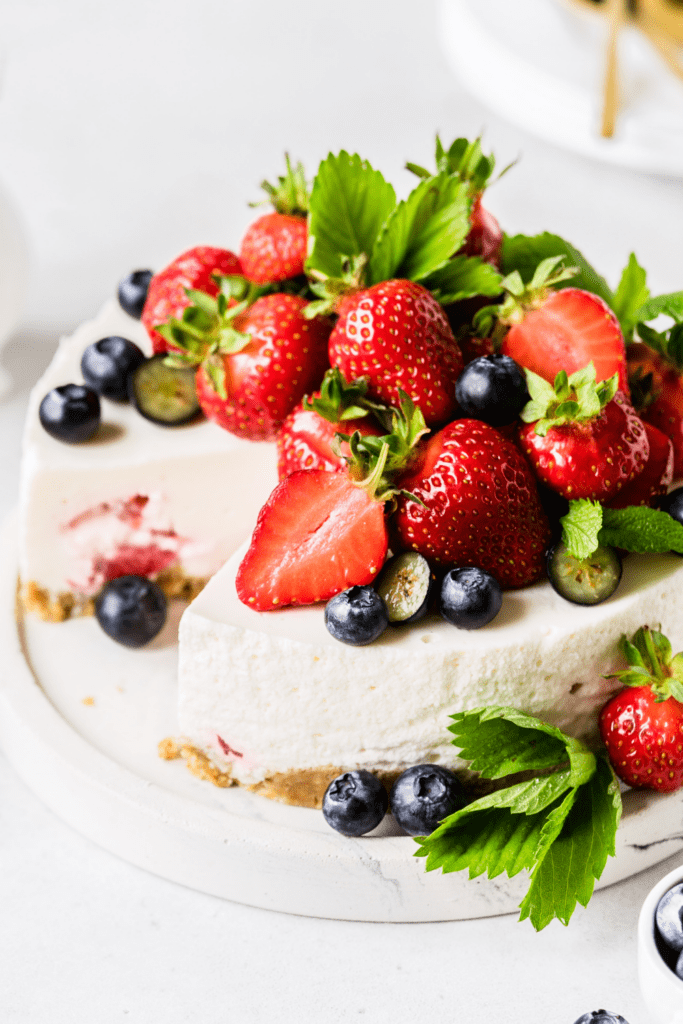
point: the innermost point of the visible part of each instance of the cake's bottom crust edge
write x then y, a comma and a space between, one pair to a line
298, 787
67, 604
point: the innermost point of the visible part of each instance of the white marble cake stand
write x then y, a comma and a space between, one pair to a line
80, 719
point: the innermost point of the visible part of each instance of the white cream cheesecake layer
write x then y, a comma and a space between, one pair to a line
187, 494
270, 692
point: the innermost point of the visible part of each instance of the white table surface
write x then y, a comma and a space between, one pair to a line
128, 132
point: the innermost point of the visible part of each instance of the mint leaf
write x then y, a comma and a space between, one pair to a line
462, 278
349, 203
500, 741
641, 529
662, 305
581, 527
423, 231
524, 252
631, 295
571, 862
558, 825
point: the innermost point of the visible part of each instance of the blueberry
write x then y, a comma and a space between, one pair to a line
133, 292
584, 580
669, 918
106, 364
673, 504
423, 796
405, 584
492, 389
164, 394
470, 597
70, 413
601, 1017
131, 610
355, 803
356, 616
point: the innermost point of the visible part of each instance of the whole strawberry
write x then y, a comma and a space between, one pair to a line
307, 437
642, 725
167, 296
582, 438
274, 246
485, 238
656, 476
480, 505
255, 362
552, 330
397, 336
656, 380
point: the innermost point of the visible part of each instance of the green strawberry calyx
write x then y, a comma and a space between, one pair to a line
331, 289
206, 331
651, 662
338, 401
576, 398
375, 462
521, 297
292, 192
465, 160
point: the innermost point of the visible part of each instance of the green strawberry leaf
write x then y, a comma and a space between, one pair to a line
581, 527
349, 204
631, 295
641, 529
524, 252
571, 860
423, 231
661, 305
559, 825
500, 741
463, 277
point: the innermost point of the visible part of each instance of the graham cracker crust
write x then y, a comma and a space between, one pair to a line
37, 600
302, 787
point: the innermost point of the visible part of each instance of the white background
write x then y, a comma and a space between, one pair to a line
128, 132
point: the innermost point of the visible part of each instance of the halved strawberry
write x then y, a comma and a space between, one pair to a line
317, 534
656, 476
167, 296
566, 330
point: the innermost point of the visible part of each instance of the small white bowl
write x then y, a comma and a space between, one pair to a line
661, 989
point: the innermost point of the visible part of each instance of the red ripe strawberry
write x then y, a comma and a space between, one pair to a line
317, 534
473, 347
281, 357
397, 336
481, 505
642, 725
657, 384
485, 238
306, 437
656, 476
566, 330
583, 439
274, 248
167, 296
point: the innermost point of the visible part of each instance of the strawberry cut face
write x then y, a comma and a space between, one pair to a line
317, 535
570, 329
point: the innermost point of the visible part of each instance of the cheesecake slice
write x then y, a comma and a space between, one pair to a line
276, 703
167, 503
